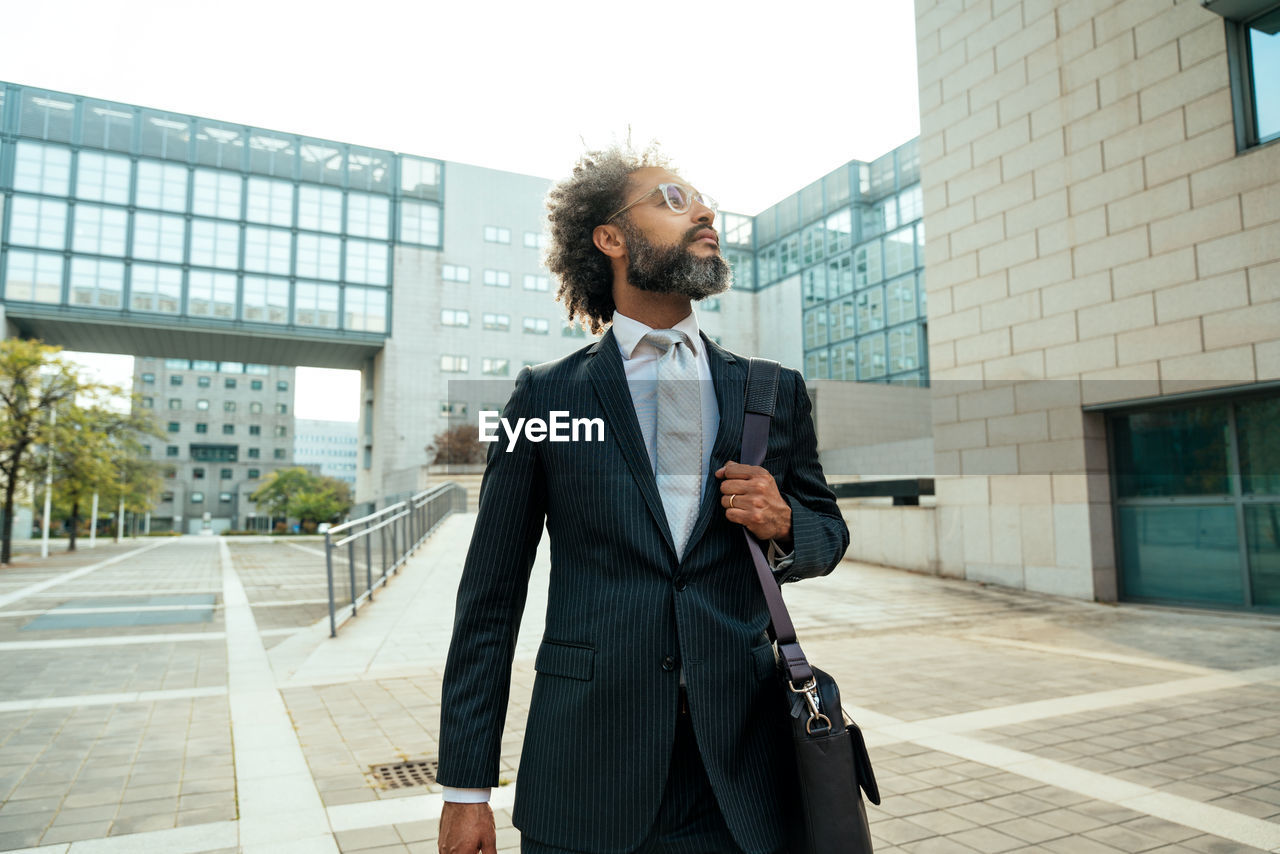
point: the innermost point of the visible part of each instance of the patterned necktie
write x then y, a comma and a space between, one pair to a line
679, 440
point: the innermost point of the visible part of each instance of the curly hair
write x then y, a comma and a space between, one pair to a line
596, 188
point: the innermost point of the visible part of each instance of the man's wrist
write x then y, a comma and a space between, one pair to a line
454, 795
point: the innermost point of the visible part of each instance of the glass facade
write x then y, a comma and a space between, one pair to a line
1197, 502
125, 209
854, 241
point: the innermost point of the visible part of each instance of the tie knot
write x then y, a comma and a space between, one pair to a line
665, 339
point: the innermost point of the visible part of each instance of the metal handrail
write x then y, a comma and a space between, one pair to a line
406, 524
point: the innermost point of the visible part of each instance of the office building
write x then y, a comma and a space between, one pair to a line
1101, 189
329, 448
226, 426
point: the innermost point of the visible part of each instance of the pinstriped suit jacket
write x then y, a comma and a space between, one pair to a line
625, 613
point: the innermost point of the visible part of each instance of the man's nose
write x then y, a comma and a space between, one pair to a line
702, 214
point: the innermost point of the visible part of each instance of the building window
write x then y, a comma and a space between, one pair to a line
255, 385
224, 497
215, 244
497, 278
368, 215
174, 426
419, 223
569, 329
453, 409
455, 273
495, 367
203, 382
455, 317
147, 403
282, 385
100, 230
229, 382
197, 473
38, 222
216, 194
536, 326
166, 497
499, 322
319, 257
494, 234
196, 498
270, 201
278, 453
255, 453
175, 380
1253, 51
42, 168
226, 474
267, 250
202, 404
535, 240
281, 431
202, 427
253, 474
266, 300
453, 364
536, 283
228, 429
255, 407
149, 379
320, 209
255, 429
175, 403
366, 262
282, 409
228, 406
162, 186
171, 450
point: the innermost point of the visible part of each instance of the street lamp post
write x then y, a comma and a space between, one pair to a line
93, 524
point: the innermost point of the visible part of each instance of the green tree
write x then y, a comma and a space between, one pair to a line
99, 450
34, 380
307, 497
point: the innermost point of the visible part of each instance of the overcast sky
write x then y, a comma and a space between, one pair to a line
751, 100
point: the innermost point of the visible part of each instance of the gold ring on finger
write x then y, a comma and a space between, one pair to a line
731, 497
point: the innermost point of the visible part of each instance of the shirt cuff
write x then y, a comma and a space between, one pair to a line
465, 796
778, 559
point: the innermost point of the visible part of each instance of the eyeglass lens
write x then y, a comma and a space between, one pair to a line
679, 198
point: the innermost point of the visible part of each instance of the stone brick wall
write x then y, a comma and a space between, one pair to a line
1093, 235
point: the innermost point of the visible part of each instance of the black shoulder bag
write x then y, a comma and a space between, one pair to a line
831, 756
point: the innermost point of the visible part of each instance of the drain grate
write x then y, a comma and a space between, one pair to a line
403, 775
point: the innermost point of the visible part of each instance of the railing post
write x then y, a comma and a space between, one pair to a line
351, 569
382, 550
368, 562
328, 566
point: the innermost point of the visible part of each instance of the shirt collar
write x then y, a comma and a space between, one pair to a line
629, 333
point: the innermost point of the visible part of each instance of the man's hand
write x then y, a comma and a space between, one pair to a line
467, 829
750, 497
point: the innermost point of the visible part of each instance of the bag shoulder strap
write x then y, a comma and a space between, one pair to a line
760, 400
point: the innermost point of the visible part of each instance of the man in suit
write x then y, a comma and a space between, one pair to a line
656, 723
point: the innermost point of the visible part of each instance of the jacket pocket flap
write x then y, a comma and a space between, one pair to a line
765, 662
562, 659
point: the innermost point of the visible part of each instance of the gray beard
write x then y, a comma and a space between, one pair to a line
673, 269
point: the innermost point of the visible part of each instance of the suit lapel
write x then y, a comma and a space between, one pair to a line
610, 383
729, 378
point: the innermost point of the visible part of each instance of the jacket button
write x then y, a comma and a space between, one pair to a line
668, 664
680, 585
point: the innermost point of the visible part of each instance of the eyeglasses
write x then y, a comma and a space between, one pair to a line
679, 197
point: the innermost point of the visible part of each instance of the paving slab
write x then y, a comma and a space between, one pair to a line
998, 720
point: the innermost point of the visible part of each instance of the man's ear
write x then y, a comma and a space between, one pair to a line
609, 240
